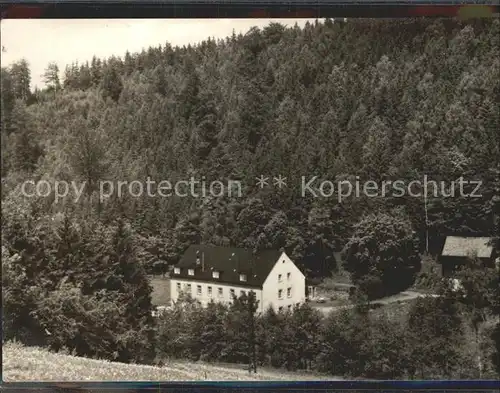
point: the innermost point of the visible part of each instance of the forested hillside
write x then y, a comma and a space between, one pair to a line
363, 99
374, 99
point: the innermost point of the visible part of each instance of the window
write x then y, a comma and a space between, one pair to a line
242, 293
177, 270
191, 272
243, 277
210, 291
198, 289
289, 307
289, 292
232, 293
189, 288
178, 287
280, 309
280, 294
279, 278
215, 274
288, 275
220, 292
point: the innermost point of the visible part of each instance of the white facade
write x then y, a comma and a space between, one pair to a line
205, 292
283, 288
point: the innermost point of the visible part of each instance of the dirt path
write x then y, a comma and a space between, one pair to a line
400, 297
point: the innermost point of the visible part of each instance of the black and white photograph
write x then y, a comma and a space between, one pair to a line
250, 199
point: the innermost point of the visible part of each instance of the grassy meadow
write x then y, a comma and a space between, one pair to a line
25, 364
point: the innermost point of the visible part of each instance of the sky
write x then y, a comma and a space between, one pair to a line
41, 41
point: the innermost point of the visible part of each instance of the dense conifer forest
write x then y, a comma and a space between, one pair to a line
378, 100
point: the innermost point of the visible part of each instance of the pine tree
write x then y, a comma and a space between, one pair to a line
24, 150
95, 71
8, 99
21, 79
111, 84
129, 278
51, 77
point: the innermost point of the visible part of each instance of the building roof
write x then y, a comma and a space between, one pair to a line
229, 262
457, 246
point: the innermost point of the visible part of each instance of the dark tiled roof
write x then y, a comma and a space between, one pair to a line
229, 262
457, 246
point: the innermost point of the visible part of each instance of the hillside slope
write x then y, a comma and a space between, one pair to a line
35, 364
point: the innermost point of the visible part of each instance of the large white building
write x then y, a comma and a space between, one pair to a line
217, 273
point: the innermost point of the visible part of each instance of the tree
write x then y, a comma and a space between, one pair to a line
388, 352
23, 144
91, 325
306, 323
272, 341
51, 77
19, 301
159, 79
205, 122
188, 95
345, 336
111, 84
95, 71
187, 232
478, 284
212, 337
128, 279
496, 351
377, 150
85, 77
8, 99
86, 154
175, 329
434, 337
241, 327
496, 302
71, 283
21, 79
382, 254
251, 221
318, 258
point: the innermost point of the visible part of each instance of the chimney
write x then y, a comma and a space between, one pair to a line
197, 257
202, 261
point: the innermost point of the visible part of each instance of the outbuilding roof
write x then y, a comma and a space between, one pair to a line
458, 246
